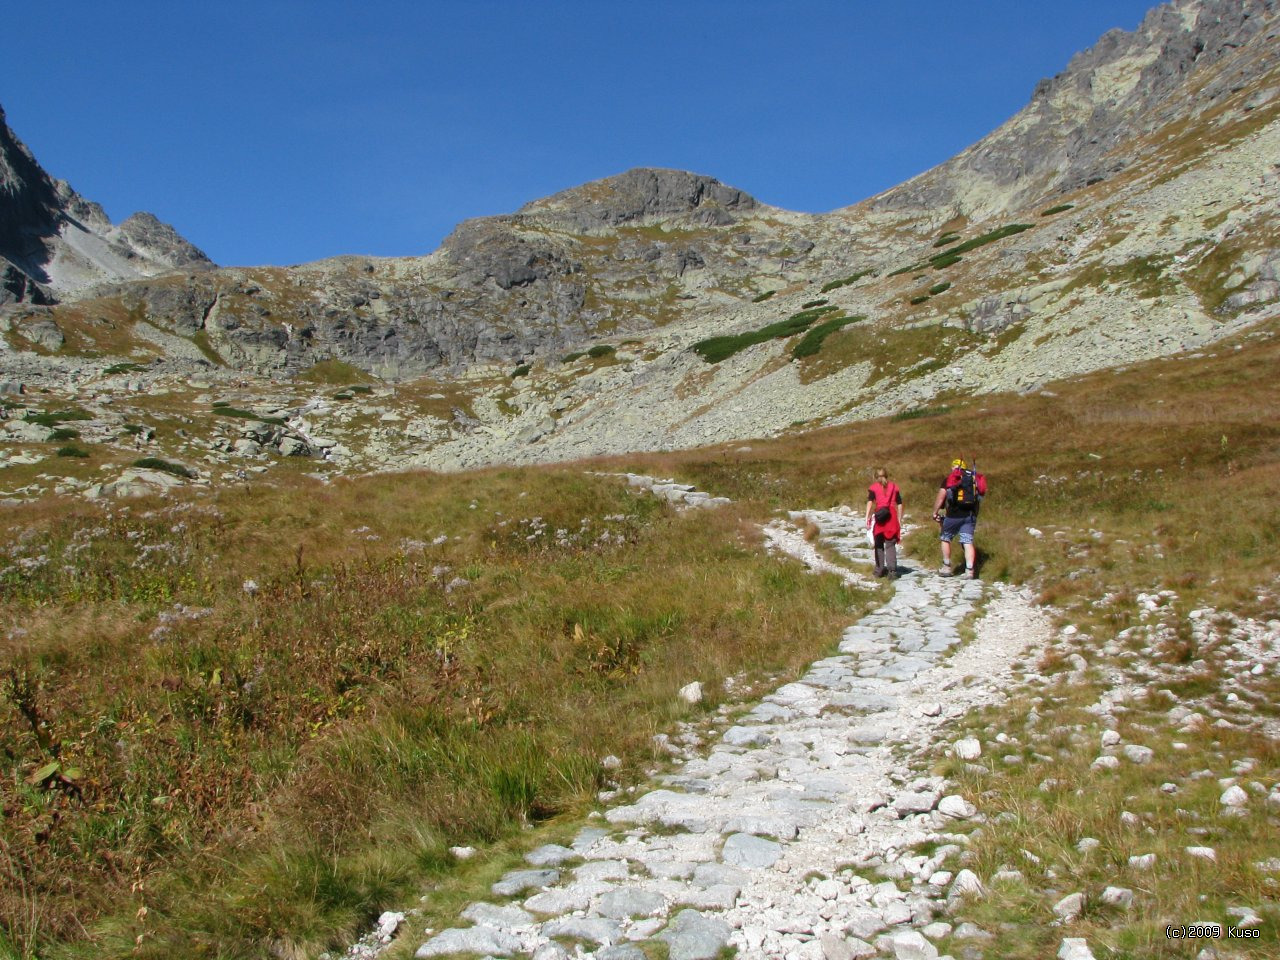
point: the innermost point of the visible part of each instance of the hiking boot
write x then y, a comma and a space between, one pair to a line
971, 574
944, 570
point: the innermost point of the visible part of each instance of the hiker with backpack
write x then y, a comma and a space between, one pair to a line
884, 519
960, 495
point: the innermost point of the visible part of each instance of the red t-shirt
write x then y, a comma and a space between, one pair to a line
886, 496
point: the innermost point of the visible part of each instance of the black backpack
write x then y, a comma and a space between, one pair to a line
964, 495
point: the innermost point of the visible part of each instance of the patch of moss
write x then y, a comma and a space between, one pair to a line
938, 288
763, 297
520, 371
1060, 208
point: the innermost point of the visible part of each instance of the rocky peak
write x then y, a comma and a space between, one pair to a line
55, 244
1128, 83
641, 193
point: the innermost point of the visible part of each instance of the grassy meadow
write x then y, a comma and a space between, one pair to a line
243, 723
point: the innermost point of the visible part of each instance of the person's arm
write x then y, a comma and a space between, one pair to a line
871, 500
938, 502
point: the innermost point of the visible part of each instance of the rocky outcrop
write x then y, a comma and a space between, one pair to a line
56, 245
1126, 85
640, 193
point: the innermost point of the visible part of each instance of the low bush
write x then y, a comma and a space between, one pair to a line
601, 350
761, 298
916, 301
940, 263
1060, 208
70, 451
164, 466
938, 288
845, 281
946, 239
715, 349
520, 371
54, 418
342, 395
65, 433
811, 342
821, 301
123, 368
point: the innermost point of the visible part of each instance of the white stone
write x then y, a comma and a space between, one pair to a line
1144, 862
956, 807
967, 749
462, 853
829, 889
691, 693
1069, 907
1234, 796
1075, 948
1110, 738
1203, 853
965, 884
913, 946
1106, 763
1138, 753
1118, 897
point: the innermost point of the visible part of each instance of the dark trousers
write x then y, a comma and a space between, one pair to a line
886, 555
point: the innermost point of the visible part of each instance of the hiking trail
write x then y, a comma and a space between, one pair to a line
760, 842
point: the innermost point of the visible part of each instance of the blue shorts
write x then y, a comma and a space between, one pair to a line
961, 525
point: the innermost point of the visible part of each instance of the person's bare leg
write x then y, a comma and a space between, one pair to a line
970, 557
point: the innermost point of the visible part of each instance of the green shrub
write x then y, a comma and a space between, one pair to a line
576, 355
360, 388
342, 395
133, 429
764, 296
164, 466
520, 371
946, 239
845, 281
907, 269
225, 411
1008, 230
811, 342
56, 417
1060, 208
916, 301
65, 433
715, 349
941, 262
221, 403
815, 303
601, 350
938, 288
72, 452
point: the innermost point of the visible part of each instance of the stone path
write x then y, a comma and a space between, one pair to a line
750, 845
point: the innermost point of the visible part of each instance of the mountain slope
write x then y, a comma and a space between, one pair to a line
661, 309
54, 244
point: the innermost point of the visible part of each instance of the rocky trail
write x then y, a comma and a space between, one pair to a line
761, 841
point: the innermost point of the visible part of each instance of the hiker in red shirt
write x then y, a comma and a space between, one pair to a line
961, 493
884, 517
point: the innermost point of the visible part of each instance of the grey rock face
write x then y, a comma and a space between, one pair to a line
692, 936
1060, 140
641, 193
38, 214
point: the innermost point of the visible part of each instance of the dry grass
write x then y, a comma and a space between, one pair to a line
271, 764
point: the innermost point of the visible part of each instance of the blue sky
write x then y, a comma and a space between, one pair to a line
283, 131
